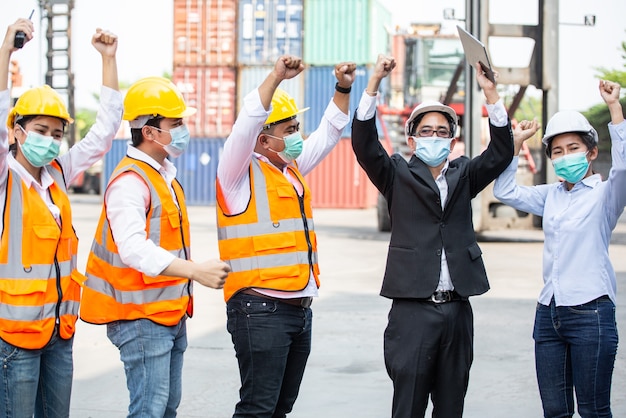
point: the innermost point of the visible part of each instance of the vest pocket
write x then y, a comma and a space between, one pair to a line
40, 247
276, 255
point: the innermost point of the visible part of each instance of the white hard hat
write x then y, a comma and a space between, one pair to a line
431, 106
568, 121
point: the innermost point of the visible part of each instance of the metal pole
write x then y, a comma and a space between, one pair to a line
549, 21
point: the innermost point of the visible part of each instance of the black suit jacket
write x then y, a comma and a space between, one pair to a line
420, 229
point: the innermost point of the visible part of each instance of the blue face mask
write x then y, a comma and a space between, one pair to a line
433, 151
180, 141
572, 167
293, 147
39, 149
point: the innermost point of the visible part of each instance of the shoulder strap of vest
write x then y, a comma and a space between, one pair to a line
56, 171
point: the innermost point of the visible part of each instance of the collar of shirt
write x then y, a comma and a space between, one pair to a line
591, 181
29, 180
167, 170
46, 178
286, 172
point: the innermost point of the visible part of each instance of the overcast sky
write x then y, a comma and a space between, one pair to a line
145, 31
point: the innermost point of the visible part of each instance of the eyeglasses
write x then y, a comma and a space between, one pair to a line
428, 132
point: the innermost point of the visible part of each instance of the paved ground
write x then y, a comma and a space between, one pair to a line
345, 375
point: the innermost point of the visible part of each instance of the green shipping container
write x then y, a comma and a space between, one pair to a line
345, 30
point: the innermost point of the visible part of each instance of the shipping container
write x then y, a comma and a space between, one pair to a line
339, 182
111, 159
196, 167
212, 90
347, 30
197, 170
250, 77
205, 32
320, 88
268, 29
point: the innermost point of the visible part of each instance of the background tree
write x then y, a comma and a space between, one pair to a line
598, 115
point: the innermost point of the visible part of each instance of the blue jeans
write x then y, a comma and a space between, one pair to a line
36, 382
272, 342
575, 349
153, 361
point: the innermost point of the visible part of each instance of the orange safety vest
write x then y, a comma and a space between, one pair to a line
271, 244
114, 291
39, 283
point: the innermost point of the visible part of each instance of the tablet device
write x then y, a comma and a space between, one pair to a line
475, 51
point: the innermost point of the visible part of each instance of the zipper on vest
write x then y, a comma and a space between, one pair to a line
306, 228
57, 309
182, 238
57, 268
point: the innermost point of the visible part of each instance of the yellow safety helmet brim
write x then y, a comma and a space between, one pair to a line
155, 96
39, 101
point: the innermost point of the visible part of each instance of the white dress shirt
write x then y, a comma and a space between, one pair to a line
498, 117
234, 165
577, 226
78, 158
127, 200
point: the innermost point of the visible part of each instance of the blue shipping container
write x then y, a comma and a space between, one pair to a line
268, 29
196, 168
112, 159
319, 88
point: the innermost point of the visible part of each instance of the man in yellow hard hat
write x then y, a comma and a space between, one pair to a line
265, 233
39, 282
139, 271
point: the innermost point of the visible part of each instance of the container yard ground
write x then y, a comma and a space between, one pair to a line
346, 375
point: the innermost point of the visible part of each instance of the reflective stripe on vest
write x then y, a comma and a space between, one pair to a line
35, 295
286, 252
114, 290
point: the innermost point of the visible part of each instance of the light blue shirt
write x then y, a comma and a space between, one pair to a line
577, 225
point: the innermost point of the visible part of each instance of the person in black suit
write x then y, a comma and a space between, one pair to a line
434, 263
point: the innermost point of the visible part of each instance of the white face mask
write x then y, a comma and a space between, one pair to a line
180, 140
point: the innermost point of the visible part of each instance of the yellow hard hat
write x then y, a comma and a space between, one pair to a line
155, 96
283, 108
42, 101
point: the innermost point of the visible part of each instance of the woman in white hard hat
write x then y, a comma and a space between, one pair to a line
575, 331
40, 285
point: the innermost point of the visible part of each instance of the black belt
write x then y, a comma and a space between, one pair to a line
443, 296
303, 302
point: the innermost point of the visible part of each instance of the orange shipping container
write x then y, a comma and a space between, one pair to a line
339, 182
212, 90
205, 32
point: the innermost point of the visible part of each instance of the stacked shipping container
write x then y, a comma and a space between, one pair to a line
337, 31
205, 40
223, 49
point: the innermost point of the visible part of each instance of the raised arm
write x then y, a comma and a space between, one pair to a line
109, 117
345, 73
105, 43
615, 196
285, 68
233, 166
370, 154
6, 49
523, 131
610, 93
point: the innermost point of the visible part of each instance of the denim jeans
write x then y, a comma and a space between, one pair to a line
575, 349
272, 342
153, 361
36, 382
